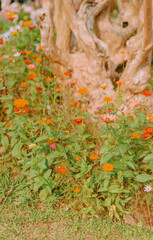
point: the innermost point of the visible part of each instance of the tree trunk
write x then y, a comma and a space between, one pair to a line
94, 58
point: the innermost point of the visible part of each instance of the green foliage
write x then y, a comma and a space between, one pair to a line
61, 160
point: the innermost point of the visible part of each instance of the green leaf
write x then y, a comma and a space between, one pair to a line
43, 194
107, 202
52, 156
105, 158
16, 149
114, 189
143, 178
148, 158
41, 138
5, 141
47, 174
120, 176
131, 165
13, 141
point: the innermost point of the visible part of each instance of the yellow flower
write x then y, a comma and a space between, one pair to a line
82, 91
108, 167
32, 146
135, 135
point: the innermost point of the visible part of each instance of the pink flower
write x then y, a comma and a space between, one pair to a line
73, 82
52, 145
108, 117
31, 27
31, 66
1, 79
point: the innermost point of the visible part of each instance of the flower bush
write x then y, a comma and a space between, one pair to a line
52, 141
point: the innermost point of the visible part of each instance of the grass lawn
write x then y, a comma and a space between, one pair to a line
41, 221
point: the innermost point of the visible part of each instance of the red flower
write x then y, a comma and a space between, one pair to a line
38, 89
78, 120
31, 27
146, 93
27, 61
18, 110
25, 110
149, 130
1, 41
67, 73
145, 135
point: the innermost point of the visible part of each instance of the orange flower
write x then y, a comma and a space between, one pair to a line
7, 124
146, 93
32, 76
34, 56
23, 85
108, 167
51, 140
39, 60
76, 190
149, 130
135, 135
1, 41
78, 158
27, 61
15, 33
58, 89
104, 87
54, 73
73, 103
67, 73
119, 83
11, 59
107, 99
48, 121
39, 47
10, 16
1, 59
39, 89
41, 121
82, 91
78, 120
28, 52
93, 157
50, 60
20, 102
18, 110
150, 116
61, 170
122, 52
48, 79
26, 23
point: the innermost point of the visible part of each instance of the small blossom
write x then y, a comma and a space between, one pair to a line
15, 33
23, 85
78, 158
67, 73
78, 120
108, 117
39, 60
48, 121
146, 93
32, 146
17, 54
61, 170
76, 190
11, 59
82, 91
7, 124
32, 76
5, 56
147, 189
26, 23
20, 102
31, 27
58, 89
149, 130
52, 145
49, 107
135, 135
31, 66
48, 79
28, 52
41, 121
108, 167
104, 87
119, 83
27, 61
107, 99
93, 157
145, 135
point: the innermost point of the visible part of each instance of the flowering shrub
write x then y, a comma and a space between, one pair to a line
53, 142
